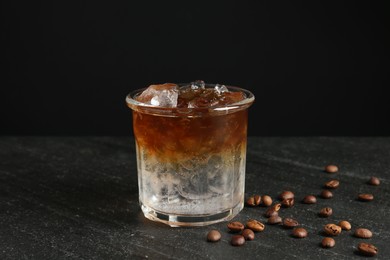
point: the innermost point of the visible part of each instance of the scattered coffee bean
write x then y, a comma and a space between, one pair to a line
248, 234
274, 220
325, 212
332, 229
267, 200
287, 203
326, 194
363, 233
328, 242
286, 195
235, 226
333, 184
365, 197
299, 232
213, 236
367, 249
253, 200
331, 169
290, 223
237, 240
374, 181
255, 225
257, 199
310, 199
345, 225
277, 206
271, 212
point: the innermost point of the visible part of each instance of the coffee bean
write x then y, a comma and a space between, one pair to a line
213, 236
374, 181
235, 226
367, 249
271, 212
331, 169
237, 240
332, 229
328, 242
248, 234
326, 212
287, 203
299, 232
333, 184
309, 199
255, 225
253, 200
363, 233
326, 194
290, 223
277, 206
345, 225
267, 200
365, 197
257, 199
274, 220
286, 195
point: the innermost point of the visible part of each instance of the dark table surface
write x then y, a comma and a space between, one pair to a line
77, 197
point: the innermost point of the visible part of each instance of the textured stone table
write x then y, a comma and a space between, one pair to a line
76, 197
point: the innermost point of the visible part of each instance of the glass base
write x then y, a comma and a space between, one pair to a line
190, 220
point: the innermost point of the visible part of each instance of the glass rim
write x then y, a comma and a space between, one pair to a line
135, 105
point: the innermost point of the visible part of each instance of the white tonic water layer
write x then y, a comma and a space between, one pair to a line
204, 185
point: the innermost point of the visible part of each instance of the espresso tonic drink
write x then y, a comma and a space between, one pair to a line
191, 150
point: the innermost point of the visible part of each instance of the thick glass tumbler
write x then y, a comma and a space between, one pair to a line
191, 160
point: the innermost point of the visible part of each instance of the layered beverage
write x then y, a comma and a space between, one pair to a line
191, 151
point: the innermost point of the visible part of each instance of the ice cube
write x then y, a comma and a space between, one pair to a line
162, 95
219, 89
231, 97
198, 84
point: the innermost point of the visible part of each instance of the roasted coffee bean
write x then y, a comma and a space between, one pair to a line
235, 226
277, 206
287, 203
253, 200
257, 199
310, 199
367, 249
332, 229
255, 225
326, 194
331, 168
363, 233
213, 236
290, 223
374, 181
248, 234
326, 212
286, 195
328, 242
365, 197
299, 232
237, 240
271, 212
267, 200
345, 225
274, 220
333, 184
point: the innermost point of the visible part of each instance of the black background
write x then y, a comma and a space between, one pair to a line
315, 67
